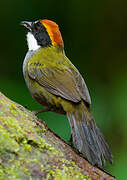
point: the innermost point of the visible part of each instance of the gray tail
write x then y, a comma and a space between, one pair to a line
87, 137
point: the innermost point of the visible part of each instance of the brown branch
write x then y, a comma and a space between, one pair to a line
29, 149
86, 168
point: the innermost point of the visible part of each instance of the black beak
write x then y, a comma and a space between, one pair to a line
27, 25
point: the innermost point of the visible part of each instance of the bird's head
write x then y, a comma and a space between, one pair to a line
42, 33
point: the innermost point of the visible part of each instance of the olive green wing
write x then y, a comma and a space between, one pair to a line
81, 85
58, 80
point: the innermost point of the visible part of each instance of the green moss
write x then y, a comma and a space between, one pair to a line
13, 109
6, 142
69, 174
65, 173
27, 150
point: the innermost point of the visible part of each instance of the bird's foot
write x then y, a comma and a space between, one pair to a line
70, 142
35, 112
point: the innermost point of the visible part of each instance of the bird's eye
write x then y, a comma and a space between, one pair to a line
36, 27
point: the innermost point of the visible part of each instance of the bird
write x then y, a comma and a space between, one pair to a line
57, 85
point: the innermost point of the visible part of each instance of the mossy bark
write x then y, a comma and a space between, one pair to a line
29, 150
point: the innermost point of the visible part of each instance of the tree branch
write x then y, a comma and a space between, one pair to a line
28, 149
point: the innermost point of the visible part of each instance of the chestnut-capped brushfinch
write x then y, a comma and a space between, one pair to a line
56, 84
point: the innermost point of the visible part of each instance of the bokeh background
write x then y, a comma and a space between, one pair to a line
95, 37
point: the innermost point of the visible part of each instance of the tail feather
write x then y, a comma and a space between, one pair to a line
87, 137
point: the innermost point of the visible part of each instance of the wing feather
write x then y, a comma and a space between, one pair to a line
57, 81
61, 80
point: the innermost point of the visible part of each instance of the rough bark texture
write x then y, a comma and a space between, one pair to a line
29, 150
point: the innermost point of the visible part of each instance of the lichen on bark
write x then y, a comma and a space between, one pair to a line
31, 151
28, 150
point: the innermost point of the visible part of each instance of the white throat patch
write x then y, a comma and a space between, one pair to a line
32, 42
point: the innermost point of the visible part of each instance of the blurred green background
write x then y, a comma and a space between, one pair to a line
95, 37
